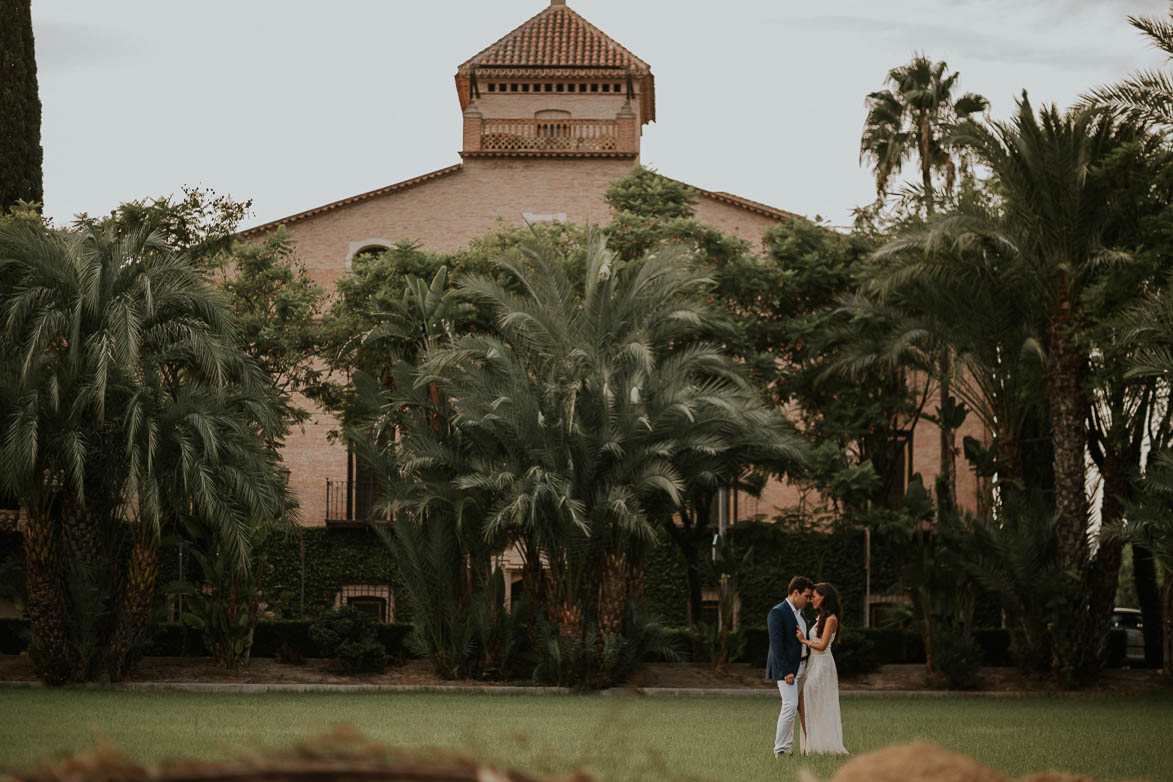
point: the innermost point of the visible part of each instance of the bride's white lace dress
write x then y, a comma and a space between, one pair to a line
820, 695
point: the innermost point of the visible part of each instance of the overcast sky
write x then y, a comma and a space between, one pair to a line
298, 103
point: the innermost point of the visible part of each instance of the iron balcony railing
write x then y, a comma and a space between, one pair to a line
352, 502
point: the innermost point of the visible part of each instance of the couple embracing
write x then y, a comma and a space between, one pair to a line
800, 661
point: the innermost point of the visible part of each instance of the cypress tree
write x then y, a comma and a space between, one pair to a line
20, 107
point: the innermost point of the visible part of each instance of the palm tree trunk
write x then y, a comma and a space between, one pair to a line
612, 592
1074, 651
926, 164
138, 599
1068, 409
947, 483
46, 598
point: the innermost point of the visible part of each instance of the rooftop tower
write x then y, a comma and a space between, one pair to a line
556, 86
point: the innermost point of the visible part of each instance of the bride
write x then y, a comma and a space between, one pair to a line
823, 729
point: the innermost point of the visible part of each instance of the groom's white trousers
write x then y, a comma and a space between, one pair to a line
784, 736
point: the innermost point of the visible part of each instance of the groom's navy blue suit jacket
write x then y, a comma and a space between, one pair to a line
785, 650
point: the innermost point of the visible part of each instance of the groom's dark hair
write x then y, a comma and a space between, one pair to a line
799, 584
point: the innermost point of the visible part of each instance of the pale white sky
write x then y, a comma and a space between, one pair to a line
300, 102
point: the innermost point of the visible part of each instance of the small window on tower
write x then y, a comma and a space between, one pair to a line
525, 88
502, 88
594, 88
549, 88
606, 88
513, 87
615, 88
492, 87
560, 87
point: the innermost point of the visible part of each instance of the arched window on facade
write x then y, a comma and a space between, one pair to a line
366, 247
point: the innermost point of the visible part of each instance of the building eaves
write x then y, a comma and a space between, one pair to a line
743, 203
382, 191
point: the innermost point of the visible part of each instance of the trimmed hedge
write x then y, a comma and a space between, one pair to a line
887, 646
270, 636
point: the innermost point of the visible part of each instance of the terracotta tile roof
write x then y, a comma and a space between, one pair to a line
269, 226
557, 36
745, 203
561, 44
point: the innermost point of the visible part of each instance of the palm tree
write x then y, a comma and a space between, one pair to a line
1055, 204
961, 289
581, 418
127, 398
1147, 95
914, 118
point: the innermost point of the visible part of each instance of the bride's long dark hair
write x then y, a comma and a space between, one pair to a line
830, 606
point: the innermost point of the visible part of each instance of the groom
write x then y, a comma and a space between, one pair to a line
786, 661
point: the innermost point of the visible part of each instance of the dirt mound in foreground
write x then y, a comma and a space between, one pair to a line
919, 762
342, 755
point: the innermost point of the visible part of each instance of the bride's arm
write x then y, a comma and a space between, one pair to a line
828, 631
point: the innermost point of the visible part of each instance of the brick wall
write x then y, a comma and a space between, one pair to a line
444, 214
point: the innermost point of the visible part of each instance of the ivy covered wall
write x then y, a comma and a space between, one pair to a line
776, 556
333, 558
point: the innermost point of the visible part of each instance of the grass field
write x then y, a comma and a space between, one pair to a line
617, 738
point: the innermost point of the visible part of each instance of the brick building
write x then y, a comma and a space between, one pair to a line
552, 113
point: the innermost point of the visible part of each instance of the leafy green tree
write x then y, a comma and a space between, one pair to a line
20, 108
645, 193
849, 390
277, 309
200, 224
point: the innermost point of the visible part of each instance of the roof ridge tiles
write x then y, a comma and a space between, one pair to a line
556, 36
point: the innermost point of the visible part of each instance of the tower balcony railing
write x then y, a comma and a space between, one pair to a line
504, 137
518, 135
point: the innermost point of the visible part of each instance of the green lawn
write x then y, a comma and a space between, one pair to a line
619, 738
